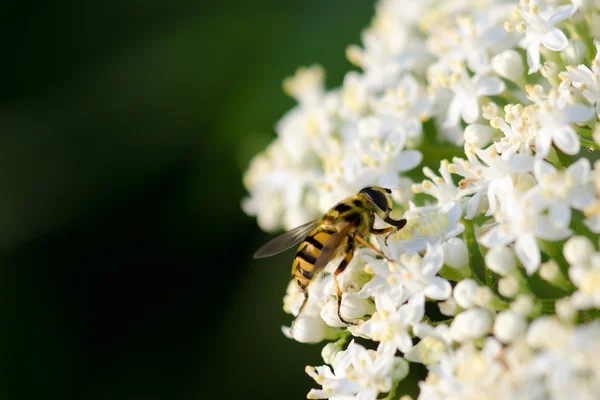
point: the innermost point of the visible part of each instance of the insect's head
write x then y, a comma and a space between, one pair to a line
380, 198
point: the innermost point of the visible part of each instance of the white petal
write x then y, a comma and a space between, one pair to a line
470, 110
521, 163
567, 140
496, 237
489, 86
408, 159
560, 215
555, 40
389, 180
438, 289
433, 260
545, 229
453, 116
533, 57
579, 113
543, 142
561, 13
473, 205
579, 170
528, 252
542, 169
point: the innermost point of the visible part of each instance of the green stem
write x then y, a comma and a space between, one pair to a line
475, 259
553, 158
590, 144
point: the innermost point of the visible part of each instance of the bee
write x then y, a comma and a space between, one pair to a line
340, 231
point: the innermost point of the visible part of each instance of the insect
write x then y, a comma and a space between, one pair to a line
339, 232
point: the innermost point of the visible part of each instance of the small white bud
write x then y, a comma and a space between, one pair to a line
508, 65
565, 310
501, 260
483, 297
478, 135
549, 69
523, 304
470, 324
330, 351
448, 307
578, 250
309, 329
428, 351
353, 306
456, 254
549, 271
464, 292
509, 286
547, 332
509, 325
574, 53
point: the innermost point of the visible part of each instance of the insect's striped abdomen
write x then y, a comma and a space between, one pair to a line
303, 267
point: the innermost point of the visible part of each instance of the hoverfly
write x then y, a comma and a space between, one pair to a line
339, 232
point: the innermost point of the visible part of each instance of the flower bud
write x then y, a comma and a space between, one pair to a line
509, 325
524, 305
464, 292
501, 260
456, 254
478, 135
353, 306
309, 329
565, 310
578, 250
509, 286
509, 65
470, 324
549, 271
574, 53
448, 307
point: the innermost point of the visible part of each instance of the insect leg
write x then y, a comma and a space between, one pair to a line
300, 311
338, 271
398, 223
383, 231
364, 242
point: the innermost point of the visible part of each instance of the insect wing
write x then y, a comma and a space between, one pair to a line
285, 240
331, 246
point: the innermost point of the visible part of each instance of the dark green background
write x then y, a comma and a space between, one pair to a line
125, 127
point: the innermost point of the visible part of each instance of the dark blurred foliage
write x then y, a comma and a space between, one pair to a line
125, 127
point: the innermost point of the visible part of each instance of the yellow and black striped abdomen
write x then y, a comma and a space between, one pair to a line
303, 267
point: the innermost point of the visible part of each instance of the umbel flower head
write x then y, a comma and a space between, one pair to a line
482, 118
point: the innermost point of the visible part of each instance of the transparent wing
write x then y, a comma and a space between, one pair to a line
285, 240
331, 246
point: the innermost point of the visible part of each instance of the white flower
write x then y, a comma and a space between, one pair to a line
586, 79
464, 293
391, 323
554, 114
358, 373
478, 135
541, 30
434, 343
467, 90
559, 191
426, 225
520, 221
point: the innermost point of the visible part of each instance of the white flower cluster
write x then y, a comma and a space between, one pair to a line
500, 243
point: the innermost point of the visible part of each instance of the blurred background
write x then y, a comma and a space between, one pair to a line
125, 259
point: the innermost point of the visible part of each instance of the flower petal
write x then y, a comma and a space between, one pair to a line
555, 40
560, 215
542, 169
543, 142
438, 289
578, 113
561, 13
470, 110
567, 140
528, 252
489, 86
408, 159
579, 170
533, 57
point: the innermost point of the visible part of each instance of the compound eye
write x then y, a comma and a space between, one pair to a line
377, 197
